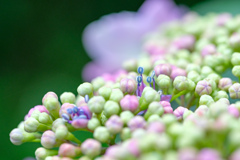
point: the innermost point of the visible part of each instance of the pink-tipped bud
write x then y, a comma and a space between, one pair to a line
48, 139
184, 42
48, 95
80, 123
91, 148
69, 150
137, 122
163, 69
222, 19
224, 83
187, 154
232, 109
128, 85
177, 72
178, 112
203, 87
156, 127
40, 108
208, 154
209, 49
201, 110
114, 124
130, 103
64, 109
166, 106
235, 40
133, 147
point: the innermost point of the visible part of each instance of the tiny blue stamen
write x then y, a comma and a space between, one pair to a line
139, 79
81, 111
75, 117
86, 98
140, 70
82, 116
149, 79
75, 110
69, 110
153, 74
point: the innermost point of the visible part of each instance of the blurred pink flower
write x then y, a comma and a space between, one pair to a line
118, 36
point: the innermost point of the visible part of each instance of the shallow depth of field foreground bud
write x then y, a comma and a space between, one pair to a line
174, 102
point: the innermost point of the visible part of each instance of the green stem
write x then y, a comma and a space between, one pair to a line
182, 101
178, 95
190, 102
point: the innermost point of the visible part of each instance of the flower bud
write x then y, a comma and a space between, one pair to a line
130, 65
209, 49
129, 103
32, 125
164, 69
205, 71
178, 72
101, 134
49, 95
232, 109
39, 108
19, 136
105, 92
41, 153
163, 142
111, 108
97, 83
178, 112
236, 71
126, 116
184, 42
154, 118
186, 114
169, 119
201, 110
194, 76
91, 148
85, 89
116, 95
156, 127
234, 91
125, 133
93, 123
163, 81
52, 106
154, 108
181, 83
114, 124
137, 122
224, 83
64, 109
220, 94
235, 58
234, 40
68, 97
207, 154
206, 100
166, 106
215, 77
69, 150
203, 87
96, 104
48, 140
128, 86
61, 132
149, 95
45, 118
193, 67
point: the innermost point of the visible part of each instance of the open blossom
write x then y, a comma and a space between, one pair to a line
117, 37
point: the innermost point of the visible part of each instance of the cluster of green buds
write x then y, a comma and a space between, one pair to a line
178, 101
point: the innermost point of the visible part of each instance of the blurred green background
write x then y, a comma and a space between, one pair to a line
41, 51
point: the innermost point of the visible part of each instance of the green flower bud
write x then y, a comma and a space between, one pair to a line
149, 95
19, 136
125, 133
206, 100
96, 104
169, 119
211, 61
85, 89
116, 95
101, 134
32, 125
220, 94
45, 118
35, 114
235, 58
181, 83
68, 97
194, 76
175, 129
192, 85
53, 106
130, 65
41, 153
151, 155
145, 63
215, 77
154, 118
105, 92
205, 71
218, 108
234, 91
97, 83
163, 142
203, 87
186, 114
93, 124
116, 85
193, 67
126, 116
163, 81
111, 108
236, 71
154, 108
146, 144
62, 133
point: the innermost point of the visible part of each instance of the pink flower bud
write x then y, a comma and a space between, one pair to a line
154, 49
177, 72
48, 139
201, 110
40, 108
187, 154
114, 124
178, 112
128, 85
224, 83
91, 147
232, 109
108, 77
48, 95
130, 103
208, 154
163, 69
64, 109
156, 127
209, 49
133, 147
137, 122
222, 19
167, 107
80, 123
203, 87
184, 42
69, 150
